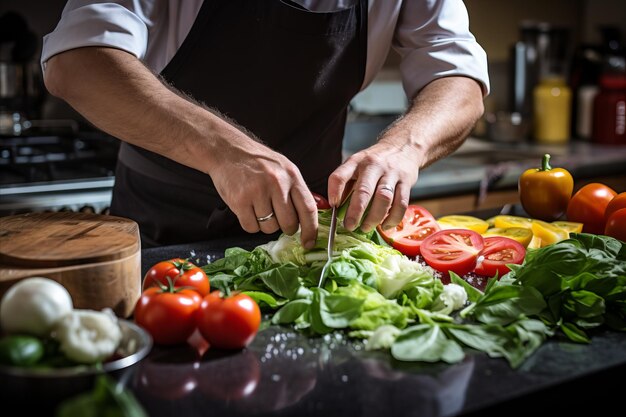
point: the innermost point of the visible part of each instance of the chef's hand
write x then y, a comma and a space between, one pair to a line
257, 182
382, 175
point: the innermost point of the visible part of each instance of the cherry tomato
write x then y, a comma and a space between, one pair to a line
618, 202
497, 252
321, 201
416, 225
616, 225
587, 206
228, 322
181, 272
452, 250
168, 314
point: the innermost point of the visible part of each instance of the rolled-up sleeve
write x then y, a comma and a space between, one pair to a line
108, 24
434, 41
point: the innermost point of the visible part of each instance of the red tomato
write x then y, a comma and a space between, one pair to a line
168, 314
321, 201
497, 252
618, 202
416, 225
453, 250
181, 272
228, 322
587, 206
616, 225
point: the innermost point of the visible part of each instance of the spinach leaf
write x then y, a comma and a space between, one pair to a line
427, 343
264, 298
504, 304
291, 311
282, 279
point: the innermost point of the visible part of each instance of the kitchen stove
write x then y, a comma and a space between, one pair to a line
57, 168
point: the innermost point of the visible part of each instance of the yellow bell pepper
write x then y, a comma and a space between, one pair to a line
545, 192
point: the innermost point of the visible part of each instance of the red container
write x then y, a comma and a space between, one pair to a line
609, 110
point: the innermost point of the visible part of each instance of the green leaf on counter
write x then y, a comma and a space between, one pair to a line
473, 293
291, 311
264, 298
503, 304
282, 279
426, 343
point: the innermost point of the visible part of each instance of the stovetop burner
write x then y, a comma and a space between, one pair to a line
28, 159
56, 169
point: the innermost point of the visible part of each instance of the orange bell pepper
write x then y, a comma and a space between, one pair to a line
545, 192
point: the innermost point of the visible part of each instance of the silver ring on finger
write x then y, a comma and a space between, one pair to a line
387, 188
265, 218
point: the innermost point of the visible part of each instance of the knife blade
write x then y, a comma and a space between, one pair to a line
330, 248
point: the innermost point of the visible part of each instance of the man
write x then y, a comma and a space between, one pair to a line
231, 112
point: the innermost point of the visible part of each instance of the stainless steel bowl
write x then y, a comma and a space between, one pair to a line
41, 390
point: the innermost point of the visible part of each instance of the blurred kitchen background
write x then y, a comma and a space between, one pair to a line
558, 85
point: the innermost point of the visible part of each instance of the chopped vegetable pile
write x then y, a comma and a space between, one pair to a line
376, 293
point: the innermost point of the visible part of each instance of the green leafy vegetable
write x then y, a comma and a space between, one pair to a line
376, 293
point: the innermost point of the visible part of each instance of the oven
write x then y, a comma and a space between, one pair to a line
55, 166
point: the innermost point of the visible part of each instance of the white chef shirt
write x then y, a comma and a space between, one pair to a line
432, 37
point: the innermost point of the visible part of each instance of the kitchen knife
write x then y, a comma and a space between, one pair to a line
330, 246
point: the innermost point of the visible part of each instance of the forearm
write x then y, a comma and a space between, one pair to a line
440, 118
118, 94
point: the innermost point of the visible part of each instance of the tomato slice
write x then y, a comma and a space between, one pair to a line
416, 225
452, 250
463, 222
497, 253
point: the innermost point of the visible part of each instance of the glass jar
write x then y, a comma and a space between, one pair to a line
609, 110
552, 99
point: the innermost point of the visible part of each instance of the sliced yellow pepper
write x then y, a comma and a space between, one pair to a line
548, 233
572, 227
535, 243
463, 222
504, 221
519, 234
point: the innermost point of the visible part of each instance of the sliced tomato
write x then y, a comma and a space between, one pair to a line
497, 253
416, 225
453, 250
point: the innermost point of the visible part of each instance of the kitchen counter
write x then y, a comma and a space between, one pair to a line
284, 373
493, 165
498, 165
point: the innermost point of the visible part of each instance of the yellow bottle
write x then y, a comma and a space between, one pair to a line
552, 104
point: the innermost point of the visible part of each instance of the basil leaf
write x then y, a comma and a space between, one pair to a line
426, 343
574, 334
473, 293
282, 279
504, 304
265, 298
291, 311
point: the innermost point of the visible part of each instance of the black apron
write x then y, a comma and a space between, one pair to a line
284, 73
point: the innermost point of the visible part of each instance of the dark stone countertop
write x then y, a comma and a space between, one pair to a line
284, 373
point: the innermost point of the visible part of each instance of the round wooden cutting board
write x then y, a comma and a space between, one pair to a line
96, 257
